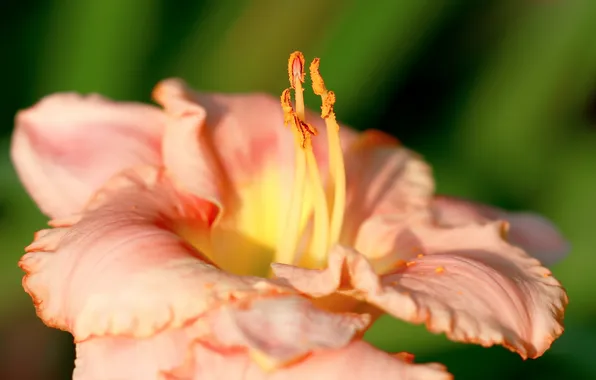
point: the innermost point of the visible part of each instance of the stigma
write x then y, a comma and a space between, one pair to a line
322, 203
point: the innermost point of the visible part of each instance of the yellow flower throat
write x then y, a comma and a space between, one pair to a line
267, 224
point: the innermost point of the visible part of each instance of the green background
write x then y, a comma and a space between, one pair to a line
499, 96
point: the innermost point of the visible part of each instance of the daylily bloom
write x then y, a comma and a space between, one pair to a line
205, 240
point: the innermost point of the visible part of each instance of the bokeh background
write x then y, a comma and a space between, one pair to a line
500, 96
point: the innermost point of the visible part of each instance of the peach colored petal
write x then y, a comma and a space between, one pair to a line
67, 145
235, 135
387, 242
383, 177
358, 360
187, 151
277, 330
532, 232
245, 156
131, 290
467, 282
119, 358
94, 277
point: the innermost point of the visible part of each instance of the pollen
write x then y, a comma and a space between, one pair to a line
405, 356
318, 85
296, 68
319, 88
504, 230
303, 130
286, 106
399, 264
439, 270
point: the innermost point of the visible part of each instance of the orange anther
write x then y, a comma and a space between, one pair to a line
296, 68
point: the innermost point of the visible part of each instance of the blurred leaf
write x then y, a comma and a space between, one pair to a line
475, 362
569, 357
232, 52
571, 201
394, 335
97, 46
510, 117
576, 346
367, 49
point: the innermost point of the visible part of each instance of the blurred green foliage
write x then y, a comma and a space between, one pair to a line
498, 95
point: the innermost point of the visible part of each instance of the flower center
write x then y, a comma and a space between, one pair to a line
327, 206
268, 225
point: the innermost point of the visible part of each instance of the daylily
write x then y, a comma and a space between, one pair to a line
206, 241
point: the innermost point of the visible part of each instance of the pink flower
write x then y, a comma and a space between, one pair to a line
204, 241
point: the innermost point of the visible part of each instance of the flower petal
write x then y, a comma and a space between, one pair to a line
280, 330
467, 282
535, 234
122, 269
383, 177
358, 360
236, 136
131, 278
273, 339
235, 151
67, 145
187, 152
116, 358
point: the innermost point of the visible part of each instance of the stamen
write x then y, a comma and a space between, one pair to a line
320, 243
288, 239
296, 68
337, 170
296, 73
325, 231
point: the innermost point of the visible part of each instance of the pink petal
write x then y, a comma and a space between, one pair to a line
235, 151
535, 234
276, 331
187, 150
467, 282
384, 178
122, 269
387, 241
67, 145
279, 330
161, 357
358, 360
115, 358
233, 136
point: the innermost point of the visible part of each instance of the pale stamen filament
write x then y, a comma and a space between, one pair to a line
288, 239
290, 234
337, 170
319, 244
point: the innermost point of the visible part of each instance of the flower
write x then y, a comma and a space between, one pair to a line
207, 241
